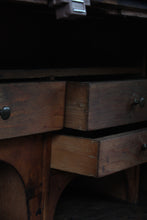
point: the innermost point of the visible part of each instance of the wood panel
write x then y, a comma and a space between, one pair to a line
40, 2
97, 105
77, 155
98, 157
29, 159
12, 195
120, 152
125, 4
25, 155
62, 72
35, 108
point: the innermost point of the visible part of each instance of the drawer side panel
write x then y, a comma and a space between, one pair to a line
76, 155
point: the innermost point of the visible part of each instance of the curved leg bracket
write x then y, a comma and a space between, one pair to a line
30, 157
58, 182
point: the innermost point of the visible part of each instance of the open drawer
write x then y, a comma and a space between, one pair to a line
99, 157
98, 105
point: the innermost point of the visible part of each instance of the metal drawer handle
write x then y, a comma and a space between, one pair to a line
144, 147
5, 112
140, 102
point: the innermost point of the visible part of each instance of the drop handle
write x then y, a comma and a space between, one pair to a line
140, 102
5, 112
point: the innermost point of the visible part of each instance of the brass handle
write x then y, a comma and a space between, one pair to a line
140, 102
5, 112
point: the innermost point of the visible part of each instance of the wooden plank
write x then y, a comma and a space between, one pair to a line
111, 104
98, 157
75, 155
132, 13
62, 72
133, 183
122, 7
46, 178
138, 5
97, 105
76, 107
40, 2
35, 108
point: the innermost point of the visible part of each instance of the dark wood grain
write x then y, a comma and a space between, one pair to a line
12, 195
119, 152
58, 182
46, 177
62, 72
77, 155
25, 154
138, 5
35, 108
29, 157
76, 106
133, 183
97, 105
40, 2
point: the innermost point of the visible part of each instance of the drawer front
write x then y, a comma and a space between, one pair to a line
35, 108
99, 157
119, 152
91, 106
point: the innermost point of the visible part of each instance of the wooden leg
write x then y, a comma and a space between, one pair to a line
46, 177
12, 195
133, 178
34, 208
30, 158
123, 185
58, 182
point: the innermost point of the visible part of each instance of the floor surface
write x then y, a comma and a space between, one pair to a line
84, 205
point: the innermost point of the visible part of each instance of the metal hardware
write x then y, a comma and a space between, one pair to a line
5, 112
70, 8
79, 11
140, 102
79, 1
144, 147
136, 101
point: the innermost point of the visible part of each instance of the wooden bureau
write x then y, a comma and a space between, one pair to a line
73, 101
